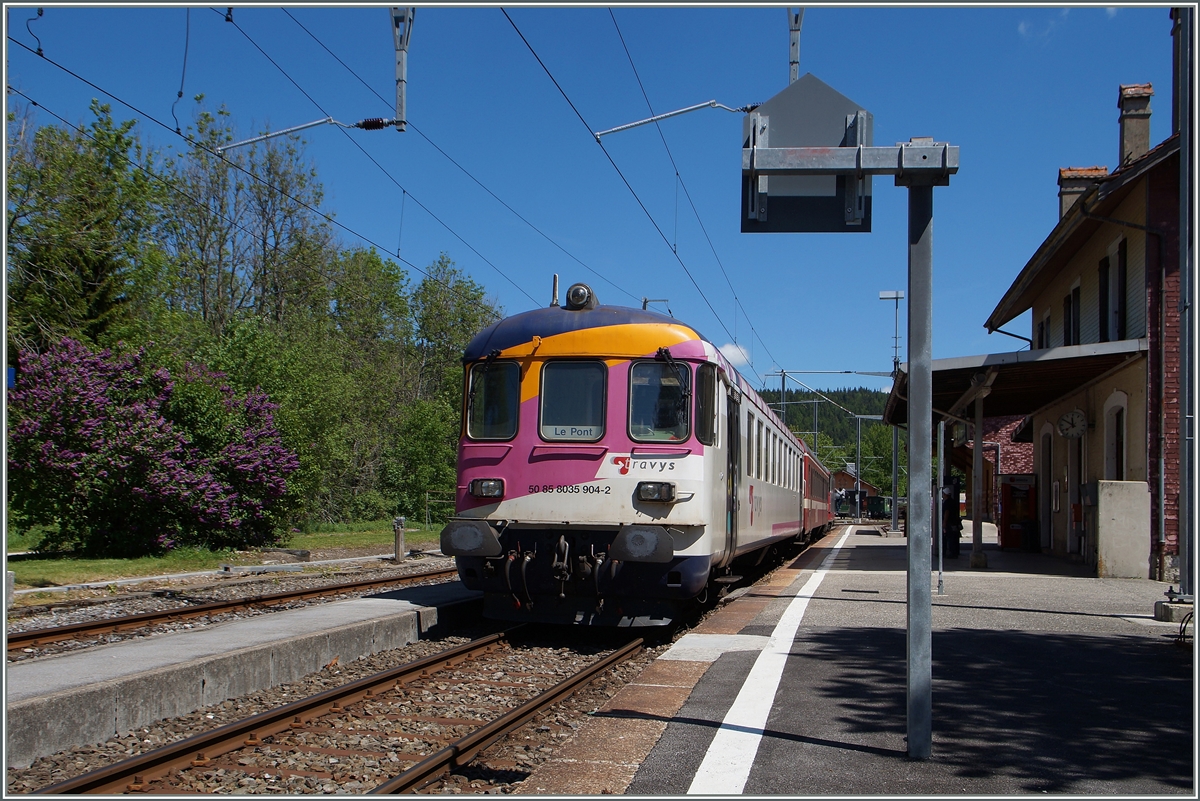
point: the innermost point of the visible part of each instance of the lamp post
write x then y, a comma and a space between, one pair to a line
895, 295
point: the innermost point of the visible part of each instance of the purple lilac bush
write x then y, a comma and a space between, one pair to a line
121, 459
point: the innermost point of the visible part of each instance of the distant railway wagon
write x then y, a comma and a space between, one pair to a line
613, 465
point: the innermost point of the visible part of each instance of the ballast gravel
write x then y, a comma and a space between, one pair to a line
498, 770
370, 758
157, 598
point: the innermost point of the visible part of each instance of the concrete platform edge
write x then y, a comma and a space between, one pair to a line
91, 714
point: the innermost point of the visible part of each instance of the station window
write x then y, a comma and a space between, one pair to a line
706, 403
493, 400
573, 401
658, 401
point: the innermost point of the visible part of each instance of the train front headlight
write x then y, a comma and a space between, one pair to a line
659, 491
487, 488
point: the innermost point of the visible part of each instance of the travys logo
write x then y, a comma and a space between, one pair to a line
627, 463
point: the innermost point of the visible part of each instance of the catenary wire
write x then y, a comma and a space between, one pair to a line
620, 174
686, 193
174, 186
382, 169
464, 170
187, 37
258, 179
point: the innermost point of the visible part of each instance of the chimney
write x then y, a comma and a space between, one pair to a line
1134, 102
1073, 182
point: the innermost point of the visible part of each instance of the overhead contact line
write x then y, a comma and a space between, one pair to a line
381, 168
625, 180
686, 193
173, 186
463, 169
199, 146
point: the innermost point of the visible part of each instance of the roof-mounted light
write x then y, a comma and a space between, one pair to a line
581, 296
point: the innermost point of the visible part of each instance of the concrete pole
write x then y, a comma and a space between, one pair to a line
398, 530
782, 393
858, 472
896, 431
895, 478
978, 557
920, 473
1187, 400
402, 22
795, 21
941, 487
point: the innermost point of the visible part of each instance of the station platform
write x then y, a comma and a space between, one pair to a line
1044, 681
84, 697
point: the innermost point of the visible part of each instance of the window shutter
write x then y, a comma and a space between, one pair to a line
1067, 320
1105, 321
1121, 311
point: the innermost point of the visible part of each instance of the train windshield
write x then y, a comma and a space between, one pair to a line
573, 400
658, 401
493, 400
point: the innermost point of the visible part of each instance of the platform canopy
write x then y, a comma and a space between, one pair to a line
1018, 383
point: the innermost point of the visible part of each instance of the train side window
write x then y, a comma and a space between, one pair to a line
493, 400
706, 403
573, 401
777, 462
772, 448
749, 445
774, 458
769, 458
760, 449
658, 401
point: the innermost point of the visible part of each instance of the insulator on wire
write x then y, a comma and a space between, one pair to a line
373, 124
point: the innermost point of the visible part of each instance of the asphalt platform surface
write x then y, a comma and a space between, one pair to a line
1044, 681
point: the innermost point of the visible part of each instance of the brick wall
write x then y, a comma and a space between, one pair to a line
1162, 302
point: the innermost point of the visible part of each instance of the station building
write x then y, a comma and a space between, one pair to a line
1096, 398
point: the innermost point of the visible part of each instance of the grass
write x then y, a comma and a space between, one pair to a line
363, 535
56, 571
18, 541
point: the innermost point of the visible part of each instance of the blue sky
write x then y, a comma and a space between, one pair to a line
1021, 90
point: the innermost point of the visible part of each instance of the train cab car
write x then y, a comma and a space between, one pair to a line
612, 465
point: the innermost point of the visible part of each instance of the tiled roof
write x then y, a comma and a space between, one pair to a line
1082, 172
1136, 90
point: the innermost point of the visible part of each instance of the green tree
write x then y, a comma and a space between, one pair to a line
423, 458
82, 214
244, 230
448, 310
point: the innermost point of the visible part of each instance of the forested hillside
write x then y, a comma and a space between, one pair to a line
189, 329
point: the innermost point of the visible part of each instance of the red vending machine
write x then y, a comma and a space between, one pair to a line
1018, 511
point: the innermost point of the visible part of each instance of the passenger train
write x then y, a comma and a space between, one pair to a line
613, 465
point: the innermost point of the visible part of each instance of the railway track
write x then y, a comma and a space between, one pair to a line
395, 731
40, 637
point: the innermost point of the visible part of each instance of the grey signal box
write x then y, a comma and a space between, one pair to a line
808, 113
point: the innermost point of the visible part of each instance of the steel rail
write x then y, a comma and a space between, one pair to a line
462, 751
25, 639
133, 774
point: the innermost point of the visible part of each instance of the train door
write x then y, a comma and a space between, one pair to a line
733, 472
803, 494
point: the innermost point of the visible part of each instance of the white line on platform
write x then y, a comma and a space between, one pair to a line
726, 766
